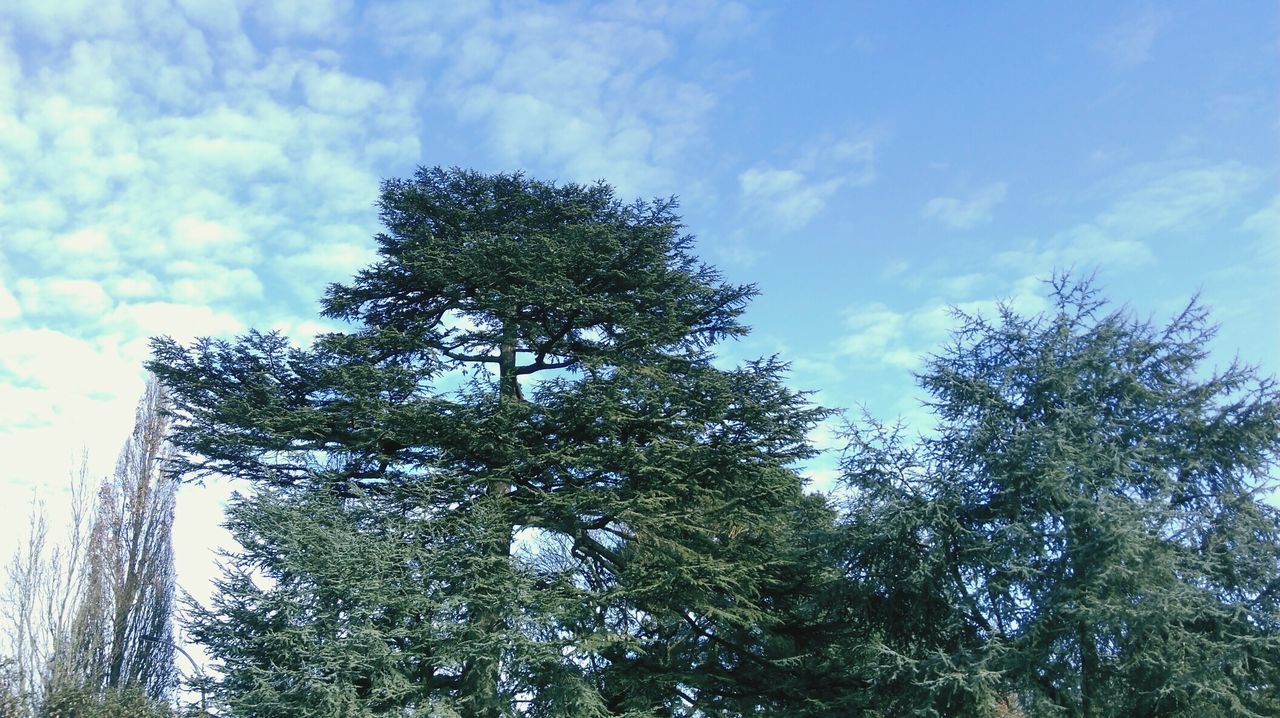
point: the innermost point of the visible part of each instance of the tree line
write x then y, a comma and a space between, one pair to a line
520, 485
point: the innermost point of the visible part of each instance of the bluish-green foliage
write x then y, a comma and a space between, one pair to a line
1086, 531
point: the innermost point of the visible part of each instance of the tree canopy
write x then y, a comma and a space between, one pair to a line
1085, 533
519, 485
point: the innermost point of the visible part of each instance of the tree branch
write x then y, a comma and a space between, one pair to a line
470, 357
539, 365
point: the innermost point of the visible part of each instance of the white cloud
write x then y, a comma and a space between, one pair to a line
786, 196
826, 436
325, 19
964, 285
1152, 202
582, 92
967, 212
54, 21
161, 168
901, 338
1265, 221
852, 158
895, 268
791, 197
60, 297
822, 478
303, 331
218, 286
880, 335
335, 260
16, 138
217, 16
1177, 199
183, 322
332, 91
135, 285
9, 308
53, 380
195, 236
738, 253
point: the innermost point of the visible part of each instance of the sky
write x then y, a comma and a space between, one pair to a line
203, 167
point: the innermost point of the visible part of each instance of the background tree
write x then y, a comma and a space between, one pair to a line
518, 487
1085, 533
44, 587
76, 610
130, 579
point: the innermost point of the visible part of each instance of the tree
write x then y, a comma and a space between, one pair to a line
1085, 533
127, 610
44, 587
77, 610
518, 486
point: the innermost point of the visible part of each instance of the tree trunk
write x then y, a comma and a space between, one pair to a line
481, 697
1081, 571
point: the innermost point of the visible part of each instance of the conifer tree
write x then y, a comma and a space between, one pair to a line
1086, 533
518, 485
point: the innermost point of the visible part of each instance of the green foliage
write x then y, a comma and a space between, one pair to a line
1084, 532
424, 537
519, 486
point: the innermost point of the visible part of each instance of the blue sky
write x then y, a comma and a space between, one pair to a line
191, 167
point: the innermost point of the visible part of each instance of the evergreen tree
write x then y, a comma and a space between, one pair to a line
1084, 534
518, 487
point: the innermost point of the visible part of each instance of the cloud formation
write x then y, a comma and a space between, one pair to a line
168, 169
792, 197
1152, 203
967, 212
591, 92
788, 197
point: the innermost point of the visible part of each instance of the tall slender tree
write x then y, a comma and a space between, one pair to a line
1086, 532
127, 613
584, 525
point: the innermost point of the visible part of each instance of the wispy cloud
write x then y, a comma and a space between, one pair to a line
1266, 224
585, 92
1152, 202
878, 334
1167, 199
969, 211
788, 197
322, 19
791, 196
9, 308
